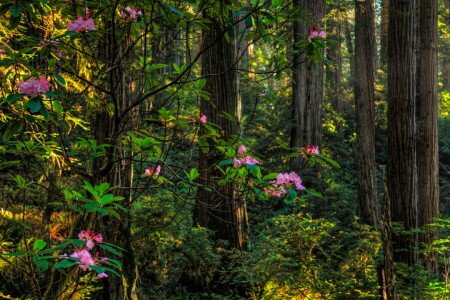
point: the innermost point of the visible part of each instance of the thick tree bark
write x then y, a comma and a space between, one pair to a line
220, 209
427, 125
365, 109
307, 90
401, 166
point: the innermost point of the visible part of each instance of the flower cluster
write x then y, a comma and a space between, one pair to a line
83, 254
202, 119
244, 159
2, 51
132, 13
150, 171
81, 25
310, 150
284, 181
315, 32
33, 86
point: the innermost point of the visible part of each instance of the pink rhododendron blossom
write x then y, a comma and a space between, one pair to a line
81, 25
33, 86
153, 171
245, 160
315, 32
203, 118
87, 12
262, 95
275, 190
284, 181
310, 150
102, 275
2, 51
132, 13
242, 149
86, 259
290, 179
90, 237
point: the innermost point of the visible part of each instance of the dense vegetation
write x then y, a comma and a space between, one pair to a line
226, 149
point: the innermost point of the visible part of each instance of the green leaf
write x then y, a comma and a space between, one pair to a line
16, 10
193, 174
34, 105
110, 249
174, 9
270, 176
154, 67
59, 247
39, 245
14, 97
12, 129
225, 162
60, 79
65, 263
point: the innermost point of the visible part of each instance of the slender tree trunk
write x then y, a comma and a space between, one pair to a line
384, 34
446, 50
334, 69
349, 43
401, 166
307, 88
220, 209
365, 110
427, 125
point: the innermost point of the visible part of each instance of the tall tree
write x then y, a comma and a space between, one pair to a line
427, 124
307, 90
220, 209
401, 165
365, 110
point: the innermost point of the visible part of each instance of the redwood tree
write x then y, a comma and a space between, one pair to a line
401, 165
427, 124
365, 111
220, 208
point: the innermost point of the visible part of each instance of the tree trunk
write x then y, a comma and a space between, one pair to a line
334, 69
427, 125
365, 110
446, 50
220, 209
401, 166
384, 34
307, 90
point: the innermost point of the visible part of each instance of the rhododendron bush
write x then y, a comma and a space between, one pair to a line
102, 125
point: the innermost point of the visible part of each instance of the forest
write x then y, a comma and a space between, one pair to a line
224, 149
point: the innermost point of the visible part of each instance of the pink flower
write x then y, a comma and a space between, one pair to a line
315, 32
33, 87
59, 54
310, 150
102, 275
87, 12
192, 120
275, 190
133, 13
150, 171
2, 51
90, 237
81, 25
245, 160
203, 118
262, 95
86, 259
242, 149
43, 44
289, 179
